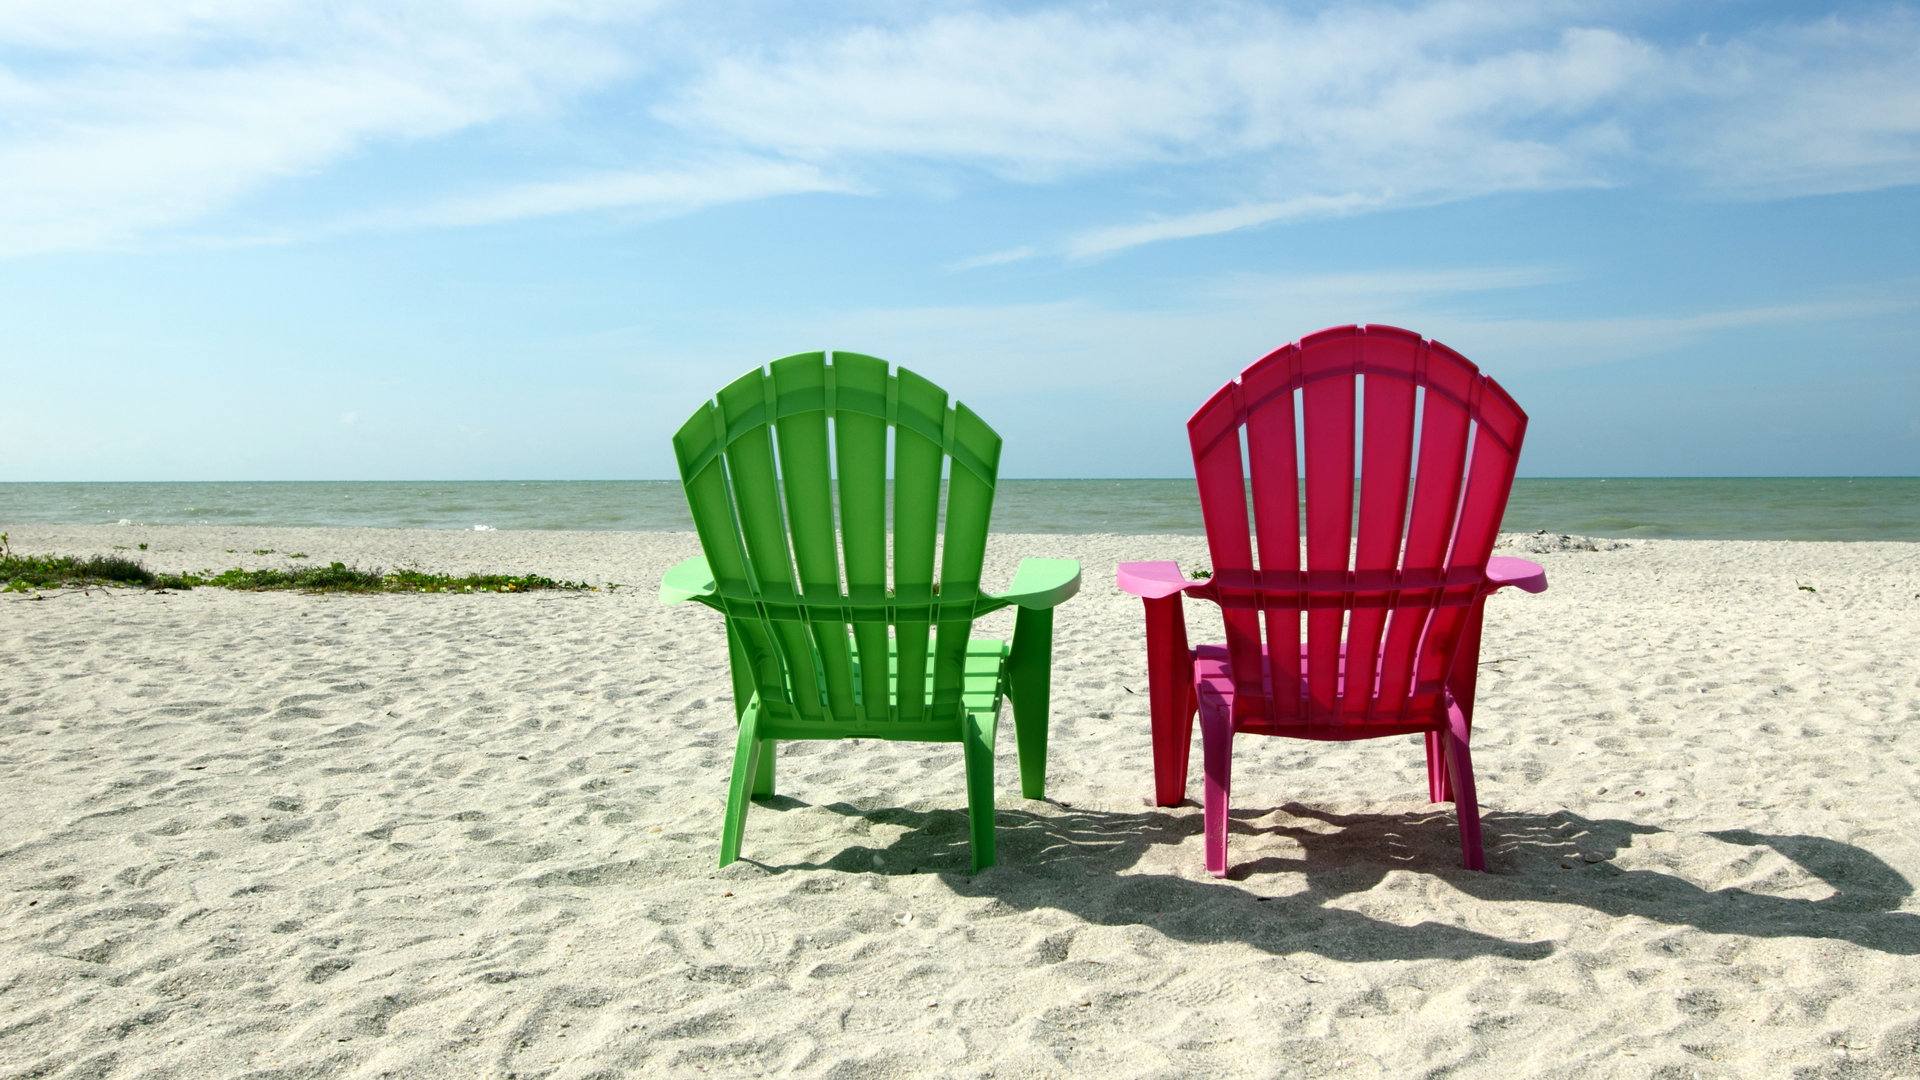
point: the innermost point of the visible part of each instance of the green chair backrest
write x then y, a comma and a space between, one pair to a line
762, 463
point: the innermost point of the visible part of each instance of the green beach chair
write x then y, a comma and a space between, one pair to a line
771, 466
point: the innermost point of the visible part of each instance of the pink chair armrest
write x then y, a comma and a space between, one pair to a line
1521, 574
1152, 580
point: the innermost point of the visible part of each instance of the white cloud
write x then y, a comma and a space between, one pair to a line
1380, 289
996, 258
1831, 105
140, 117
1070, 346
1519, 345
672, 190
126, 120
1054, 92
1113, 238
1354, 108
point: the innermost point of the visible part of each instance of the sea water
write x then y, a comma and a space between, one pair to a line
1744, 508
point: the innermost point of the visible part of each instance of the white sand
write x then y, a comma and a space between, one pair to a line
276, 835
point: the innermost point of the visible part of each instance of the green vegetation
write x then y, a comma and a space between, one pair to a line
21, 573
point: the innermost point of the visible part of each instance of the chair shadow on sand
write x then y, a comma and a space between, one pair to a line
1077, 860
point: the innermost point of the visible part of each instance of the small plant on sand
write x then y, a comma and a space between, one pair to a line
18, 573
21, 573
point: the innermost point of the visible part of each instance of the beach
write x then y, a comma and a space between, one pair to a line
279, 835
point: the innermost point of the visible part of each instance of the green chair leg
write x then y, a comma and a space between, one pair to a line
1029, 685
746, 767
763, 776
976, 742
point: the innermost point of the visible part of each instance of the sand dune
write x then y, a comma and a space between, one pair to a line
276, 836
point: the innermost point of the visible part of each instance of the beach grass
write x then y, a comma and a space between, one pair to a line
23, 573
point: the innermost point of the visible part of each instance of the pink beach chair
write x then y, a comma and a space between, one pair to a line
1392, 614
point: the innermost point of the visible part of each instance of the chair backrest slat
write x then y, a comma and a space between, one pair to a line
917, 460
759, 466
1389, 364
711, 502
747, 407
1326, 405
1215, 433
1268, 387
1392, 596
963, 546
860, 452
1498, 427
806, 473
1445, 422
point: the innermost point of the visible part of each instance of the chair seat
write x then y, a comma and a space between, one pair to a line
983, 682
1255, 715
1423, 711
981, 679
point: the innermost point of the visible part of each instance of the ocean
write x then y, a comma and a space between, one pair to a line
1743, 508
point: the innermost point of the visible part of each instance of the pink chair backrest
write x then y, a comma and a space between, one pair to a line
1399, 597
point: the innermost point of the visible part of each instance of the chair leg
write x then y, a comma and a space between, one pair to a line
746, 764
763, 775
1438, 787
1460, 684
1216, 750
1029, 686
1466, 805
976, 742
1169, 697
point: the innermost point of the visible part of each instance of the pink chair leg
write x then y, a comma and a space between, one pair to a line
1466, 805
1169, 697
1216, 749
1460, 684
1438, 789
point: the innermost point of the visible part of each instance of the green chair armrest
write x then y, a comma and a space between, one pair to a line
1042, 583
690, 580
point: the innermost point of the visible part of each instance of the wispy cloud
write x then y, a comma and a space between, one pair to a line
1113, 238
1350, 109
135, 118
1519, 345
1071, 345
668, 190
1055, 92
1378, 289
996, 258
1823, 106
128, 120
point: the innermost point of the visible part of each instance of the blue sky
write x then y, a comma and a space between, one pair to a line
522, 239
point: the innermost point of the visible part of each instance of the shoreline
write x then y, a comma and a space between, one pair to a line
1809, 508
429, 835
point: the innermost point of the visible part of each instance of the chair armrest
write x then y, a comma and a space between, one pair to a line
1041, 583
1521, 574
1152, 580
689, 580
